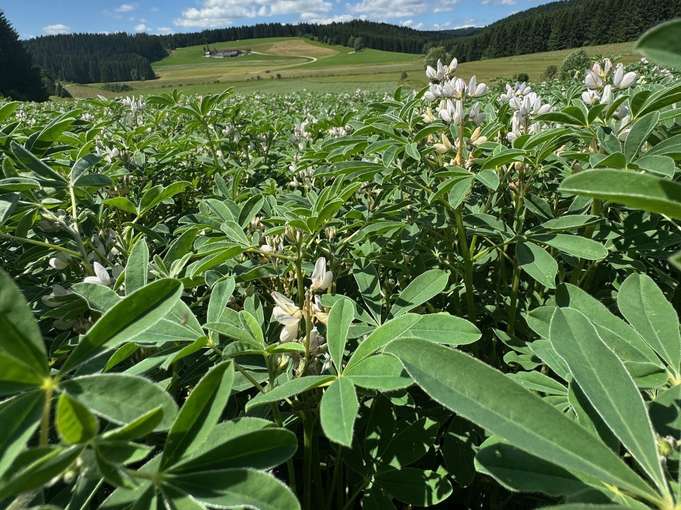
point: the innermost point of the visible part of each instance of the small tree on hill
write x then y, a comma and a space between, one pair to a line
358, 44
18, 79
435, 54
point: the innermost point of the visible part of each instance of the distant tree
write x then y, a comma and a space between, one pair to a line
404, 76
435, 54
550, 72
358, 44
522, 77
575, 62
19, 79
351, 42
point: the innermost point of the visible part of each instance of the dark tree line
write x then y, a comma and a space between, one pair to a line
87, 58
562, 25
381, 36
19, 78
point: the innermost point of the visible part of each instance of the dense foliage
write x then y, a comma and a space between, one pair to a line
565, 24
19, 79
456, 297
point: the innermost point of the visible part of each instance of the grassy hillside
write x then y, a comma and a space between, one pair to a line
286, 64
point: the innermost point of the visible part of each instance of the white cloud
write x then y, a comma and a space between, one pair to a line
498, 2
56, 29
141, 28
164, 30
386, 9
216, 13
312, 17
445, 5
126, 8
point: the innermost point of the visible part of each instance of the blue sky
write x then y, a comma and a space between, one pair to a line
38, 17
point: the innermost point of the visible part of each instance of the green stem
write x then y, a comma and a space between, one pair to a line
467, 264
336, 475
308, 431
76, 231
41, 243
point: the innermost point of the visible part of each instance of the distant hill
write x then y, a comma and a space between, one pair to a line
562, 25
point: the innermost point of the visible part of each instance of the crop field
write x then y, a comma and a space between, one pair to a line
292, 64
462, 296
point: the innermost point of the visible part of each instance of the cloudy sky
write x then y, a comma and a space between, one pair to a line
38, 17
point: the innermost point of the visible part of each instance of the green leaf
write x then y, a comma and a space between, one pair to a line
369, 285
16, 376
639, 191
75, 424
380, 372
422, 288
569, 222
20, 338
645, 307
128, 318
41, 169
491, 400
577, 246
289, 389
219, 297
639, 133
340, 318
51, 463
252, 325
19, 419
537, 262
436, 327
521, 472
199, 414
617, 334
121, 398
338, 411
415, 486
122, 203
234, 488
608, 386
137, 267
260, 449
139, 427
662, 44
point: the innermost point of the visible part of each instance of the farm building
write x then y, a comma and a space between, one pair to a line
224, 53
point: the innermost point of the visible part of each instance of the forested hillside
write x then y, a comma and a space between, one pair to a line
564, 24
19, 79
86, 58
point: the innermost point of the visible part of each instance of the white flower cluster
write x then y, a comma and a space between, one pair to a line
135, 105
602, 82
526, 105
288, 314
452, 91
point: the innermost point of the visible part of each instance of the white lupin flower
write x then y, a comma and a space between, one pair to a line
444, 146
623, 80
607, 97
590, 97
101, 277
321, 278
592, 80
451, 111
477, 115
288, 314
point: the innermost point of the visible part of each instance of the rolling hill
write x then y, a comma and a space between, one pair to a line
295, 63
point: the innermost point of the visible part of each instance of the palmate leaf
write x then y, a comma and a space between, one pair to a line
420, 289
19, 419
493, 401
289, 389
608, 386
662, 44
75, 423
